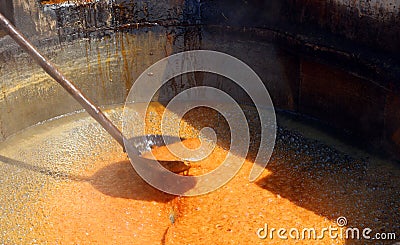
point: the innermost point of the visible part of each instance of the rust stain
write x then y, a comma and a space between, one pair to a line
66, 1
100, 67
109, 58
87, 52
126, 70
169, 44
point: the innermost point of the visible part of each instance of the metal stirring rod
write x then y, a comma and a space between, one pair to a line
86, 103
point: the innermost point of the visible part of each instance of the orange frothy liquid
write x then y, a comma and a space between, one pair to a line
108, 203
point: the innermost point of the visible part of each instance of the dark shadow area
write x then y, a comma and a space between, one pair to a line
117, 179
318, 177
120, 180
332, 184
38, 169
163, 240
161, 173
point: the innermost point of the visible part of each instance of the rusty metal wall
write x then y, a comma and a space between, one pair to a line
314, 59
374, 23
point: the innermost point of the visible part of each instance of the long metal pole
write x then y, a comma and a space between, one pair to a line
91, 108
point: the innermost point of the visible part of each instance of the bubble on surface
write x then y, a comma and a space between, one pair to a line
68, 181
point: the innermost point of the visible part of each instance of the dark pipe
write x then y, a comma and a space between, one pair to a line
92, 109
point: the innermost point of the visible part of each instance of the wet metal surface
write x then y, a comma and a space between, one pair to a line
104, 46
